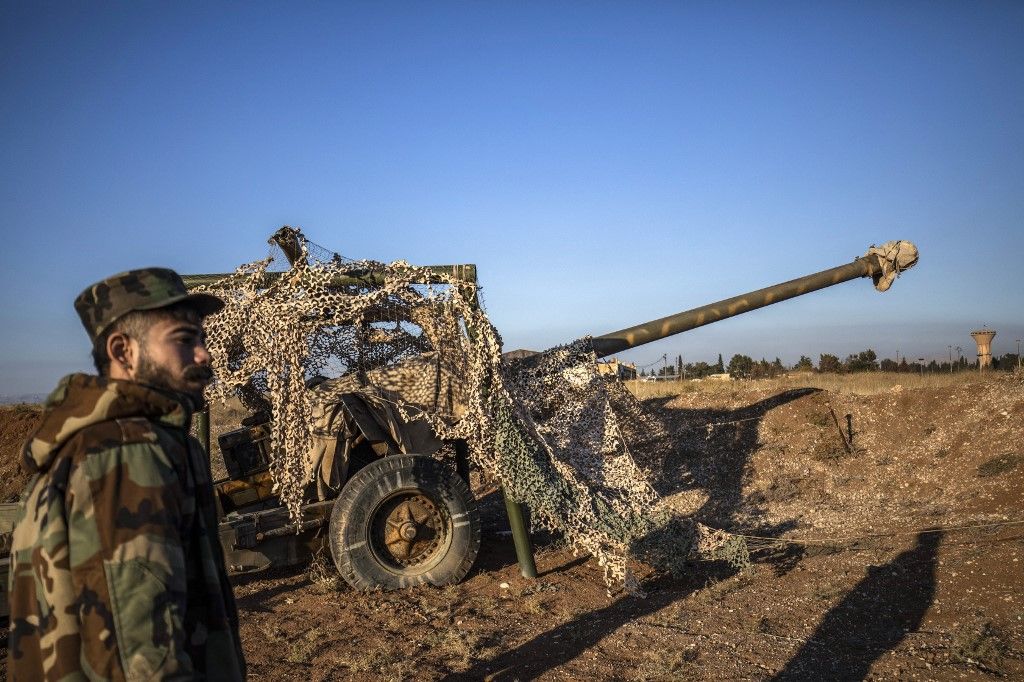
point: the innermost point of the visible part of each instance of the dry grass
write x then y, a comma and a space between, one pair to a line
322, 573
980, 645
301, 649
860, 383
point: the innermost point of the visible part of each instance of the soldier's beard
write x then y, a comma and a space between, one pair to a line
192, 381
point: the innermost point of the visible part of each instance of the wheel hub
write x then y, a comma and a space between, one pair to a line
408, 529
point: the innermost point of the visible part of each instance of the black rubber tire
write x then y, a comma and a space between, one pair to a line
357, 538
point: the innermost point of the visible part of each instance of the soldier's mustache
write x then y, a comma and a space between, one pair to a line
198, 373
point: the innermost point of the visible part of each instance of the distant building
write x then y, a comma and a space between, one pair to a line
723, 376
983, 337
518, 354
623, 370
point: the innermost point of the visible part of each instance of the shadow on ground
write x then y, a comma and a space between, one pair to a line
714, 462
872, 619
565, 642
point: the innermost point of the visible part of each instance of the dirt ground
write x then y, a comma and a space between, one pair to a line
897, 554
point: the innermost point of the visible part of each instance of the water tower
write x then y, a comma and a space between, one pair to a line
983, 337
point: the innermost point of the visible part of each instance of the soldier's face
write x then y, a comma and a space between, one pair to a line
173, 355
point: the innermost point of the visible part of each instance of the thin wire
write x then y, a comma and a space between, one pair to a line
828, 541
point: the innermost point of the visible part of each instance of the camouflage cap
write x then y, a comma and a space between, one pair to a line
144, 289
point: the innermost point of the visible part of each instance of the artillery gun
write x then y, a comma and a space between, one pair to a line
392, 514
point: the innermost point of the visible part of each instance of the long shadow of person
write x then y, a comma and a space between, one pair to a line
872, 619
709, 450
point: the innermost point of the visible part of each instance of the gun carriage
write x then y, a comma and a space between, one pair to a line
392, 514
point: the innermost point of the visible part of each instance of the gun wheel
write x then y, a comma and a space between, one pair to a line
404, 520
408, 530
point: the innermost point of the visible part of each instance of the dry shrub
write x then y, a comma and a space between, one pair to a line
980, 645
322, 574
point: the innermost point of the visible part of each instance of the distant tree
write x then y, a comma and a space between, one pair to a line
699, 370
720, 368
864, 361
679, 367
889, 365
763, 369
741, 366
829, 363
643, 372
804, 364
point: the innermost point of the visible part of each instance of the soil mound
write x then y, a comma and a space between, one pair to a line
16, 423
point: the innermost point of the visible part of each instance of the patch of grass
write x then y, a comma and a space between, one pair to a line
572, 611
534, 605
1000, 465
485, 604
301, 650
538, 587
377, 659
452, 592
461, 646
980, 645
661, 665
827, 593
828, 452
271, 631
718, 590
813, 550
819, 419
323, 575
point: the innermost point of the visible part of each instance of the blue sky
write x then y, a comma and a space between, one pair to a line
602, 163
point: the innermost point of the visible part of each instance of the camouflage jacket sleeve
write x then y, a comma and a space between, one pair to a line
129, 511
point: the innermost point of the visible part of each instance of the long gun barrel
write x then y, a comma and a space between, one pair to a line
882, 264
290, 242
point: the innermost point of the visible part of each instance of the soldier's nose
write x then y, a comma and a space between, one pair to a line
202, 356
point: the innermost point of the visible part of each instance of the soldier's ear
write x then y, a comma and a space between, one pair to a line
121, 353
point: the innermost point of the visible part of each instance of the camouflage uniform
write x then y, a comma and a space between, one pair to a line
117, 571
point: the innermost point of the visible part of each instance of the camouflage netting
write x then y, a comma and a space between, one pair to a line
550, 429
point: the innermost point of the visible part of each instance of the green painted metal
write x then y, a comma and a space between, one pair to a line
520, 536
618, 341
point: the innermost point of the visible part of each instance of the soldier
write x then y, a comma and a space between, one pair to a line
117, 571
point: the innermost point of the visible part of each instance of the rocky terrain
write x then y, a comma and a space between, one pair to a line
886, 544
